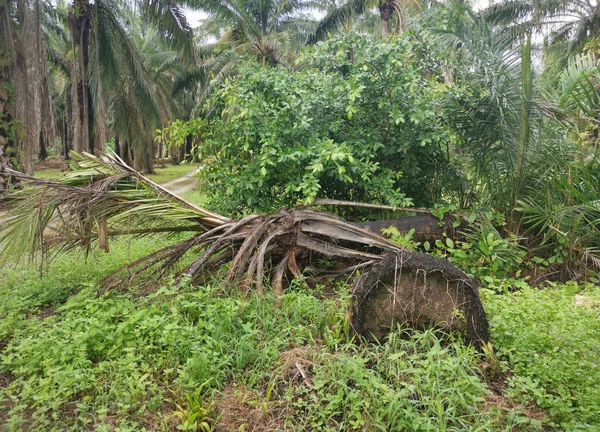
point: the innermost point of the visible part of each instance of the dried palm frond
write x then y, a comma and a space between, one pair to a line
104, 198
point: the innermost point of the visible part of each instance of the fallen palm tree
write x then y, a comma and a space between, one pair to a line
103, 198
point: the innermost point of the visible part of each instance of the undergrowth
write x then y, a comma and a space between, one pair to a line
210, 358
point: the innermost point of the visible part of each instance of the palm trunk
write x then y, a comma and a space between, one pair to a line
188, 145
25, 73
117, 146
385, 12
175, 155
6, 108
47, 126
79, 20
100, 119
149, 161
6, 133
43, 153
68, 143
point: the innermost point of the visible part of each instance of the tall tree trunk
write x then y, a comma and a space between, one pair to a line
79, 20
117, 146
175, 156
149, 162
385, 12
47, 128
43, 153
188, 145
99, 121
7, 132
125, 153
25, 73
6, 107
25, 66
68, 144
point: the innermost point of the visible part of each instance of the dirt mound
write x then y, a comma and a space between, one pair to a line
422, 291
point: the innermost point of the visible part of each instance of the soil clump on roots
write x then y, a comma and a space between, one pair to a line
422, 291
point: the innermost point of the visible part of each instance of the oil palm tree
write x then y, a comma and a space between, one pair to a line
103, 52
104, 199
392, 15
576, 21
26, 69
93, 47
522, 143
505, 120
266, 31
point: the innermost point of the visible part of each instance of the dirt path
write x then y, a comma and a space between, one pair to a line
182, 184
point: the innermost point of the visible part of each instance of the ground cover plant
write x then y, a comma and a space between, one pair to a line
76, 359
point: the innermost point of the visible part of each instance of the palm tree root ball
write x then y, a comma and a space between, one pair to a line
421, 291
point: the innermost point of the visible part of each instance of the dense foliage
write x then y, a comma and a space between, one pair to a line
357, 120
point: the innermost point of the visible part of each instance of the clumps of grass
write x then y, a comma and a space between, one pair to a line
120, 361
550, 341
208, 357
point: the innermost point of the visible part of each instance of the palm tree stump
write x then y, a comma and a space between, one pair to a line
421, 291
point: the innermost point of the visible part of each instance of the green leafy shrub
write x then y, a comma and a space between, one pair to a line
360, 120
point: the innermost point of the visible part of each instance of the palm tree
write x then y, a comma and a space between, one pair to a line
90, 44
103, 52
505, 122
27, 70
266, 31
523, 142
392, 15
576, 21
103, 196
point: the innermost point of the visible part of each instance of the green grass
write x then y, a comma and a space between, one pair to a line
196, 196
553, 348
72, 359
171, 172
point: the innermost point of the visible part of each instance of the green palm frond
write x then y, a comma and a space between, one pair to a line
580, 86
170, 22
576, 21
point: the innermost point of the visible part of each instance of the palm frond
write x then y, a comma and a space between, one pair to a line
103, 198
337, 18
100, 199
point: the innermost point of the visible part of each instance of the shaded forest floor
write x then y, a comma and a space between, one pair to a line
73, 359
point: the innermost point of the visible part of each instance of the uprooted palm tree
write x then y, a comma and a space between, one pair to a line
104, 198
